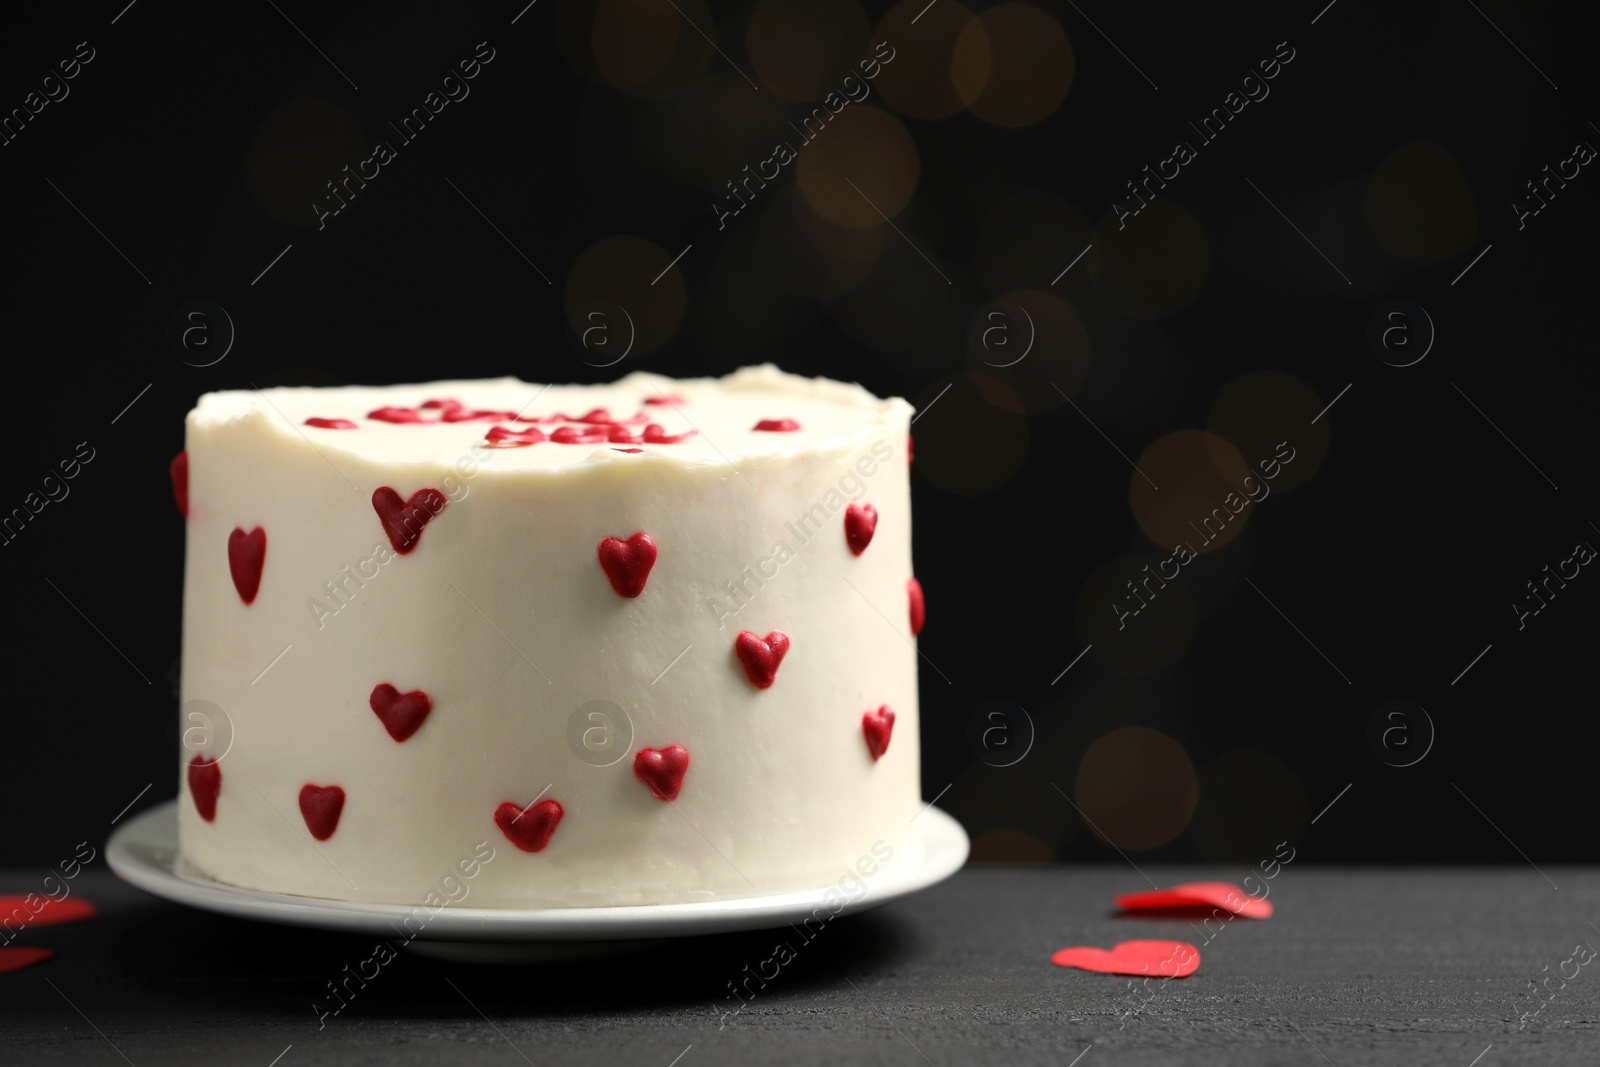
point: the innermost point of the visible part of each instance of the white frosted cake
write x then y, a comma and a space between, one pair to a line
638, 643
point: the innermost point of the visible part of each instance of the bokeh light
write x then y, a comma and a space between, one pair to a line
1152, 264
808, 259
1133, 632
864, 162
1250, 801
647, 48
1048, 330
1018, 800
1419, 204
1027, 239
919, 82
720, 134
620, 270
804, 49
300, 147
899, 306
1013, 65
969, 444
1190, 490
1137, 788
1263, 409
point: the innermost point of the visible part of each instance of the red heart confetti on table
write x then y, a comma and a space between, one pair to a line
662, 769
320, 805
1191, 895
205, 782
528, 829
876, 726
1157, 959
247, 553
402, 714
919, 607
178, 471
761, 656
14, 959
627, 563
403, 520
860, 520
51, 912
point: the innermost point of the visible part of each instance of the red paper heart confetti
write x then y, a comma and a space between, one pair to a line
205, 782
761, 656
247, 552
1156, 959
860, 520
919, 607
321, 805
403, 520
627, 563
529, 829
1198, 895
178, 471
662, 769
777, 425
332, 424
14, 959
402, 714
876, 726
46, 911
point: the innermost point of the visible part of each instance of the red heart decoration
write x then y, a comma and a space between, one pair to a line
403, 520
320, 805
1198, 895
919, 607
14, 959
332, 424
911, 447
401, 713
500, 437
205, 782
178, 471
777, 425
761, 657
52, 913
247, 552
860, 520
401, 415
662, 769
627, 563
529, 830
1157, 959
876, 726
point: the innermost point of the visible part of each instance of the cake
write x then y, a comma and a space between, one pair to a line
637, 643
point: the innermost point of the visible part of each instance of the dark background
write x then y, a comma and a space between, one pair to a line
198, 138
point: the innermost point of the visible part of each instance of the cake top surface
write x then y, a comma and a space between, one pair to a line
754, 411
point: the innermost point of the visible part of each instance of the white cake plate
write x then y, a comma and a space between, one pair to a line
144, 851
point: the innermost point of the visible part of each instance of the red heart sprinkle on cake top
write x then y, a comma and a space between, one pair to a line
448, 405
580, 435
777, 425
399, 415
860, 520
14, 959
402, 714
662, 769
529, 829
919, 608
627, 563
630, 451
178, 471
205, 782
332, 424
657, 435
761, 656
1157, 959
44, 910
403, 520
500, 437
247, 552
664, 400
1193, 895
876, 726
321, 805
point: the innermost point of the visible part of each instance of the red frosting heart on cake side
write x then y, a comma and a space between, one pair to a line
178, 471
403, 520
1158, 959
205, 782
402, 714
761, 656
247, 552
627, 563
876, 726
919, 607
860, 520
529, 829
321, 806
662, 769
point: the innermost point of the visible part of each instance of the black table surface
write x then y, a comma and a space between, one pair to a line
1358, 966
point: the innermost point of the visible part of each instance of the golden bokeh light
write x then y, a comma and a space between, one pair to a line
1030, 238
1013, 65
1134, 622
647, 48
303, 145
919, 81
862, 163
620, 270
1152, 264
1034, 344
1419, 205
804, 49
969, 445
1260, 411
1137, 788
1190, 490
1250, 802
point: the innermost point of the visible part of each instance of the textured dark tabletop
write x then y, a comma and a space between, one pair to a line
1417, 966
